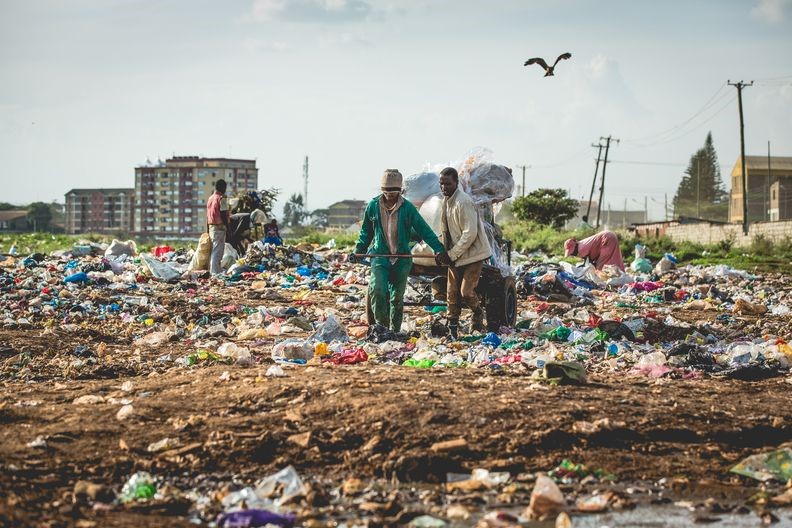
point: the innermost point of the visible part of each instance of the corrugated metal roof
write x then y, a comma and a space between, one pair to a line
13, 214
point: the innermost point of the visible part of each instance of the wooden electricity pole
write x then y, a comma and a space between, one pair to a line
740, 85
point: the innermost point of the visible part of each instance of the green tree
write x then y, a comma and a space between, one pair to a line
701, 193
320, 218
545, 206
40, 215
5, 206
294, 211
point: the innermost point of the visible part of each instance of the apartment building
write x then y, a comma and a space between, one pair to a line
98, 211
170, 196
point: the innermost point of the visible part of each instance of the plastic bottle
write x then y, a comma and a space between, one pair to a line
140, 486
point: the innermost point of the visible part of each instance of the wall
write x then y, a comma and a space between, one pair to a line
704, 233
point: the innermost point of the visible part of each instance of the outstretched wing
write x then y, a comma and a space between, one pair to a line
562, 56
536, 60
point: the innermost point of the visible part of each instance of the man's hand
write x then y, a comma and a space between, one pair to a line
443, 259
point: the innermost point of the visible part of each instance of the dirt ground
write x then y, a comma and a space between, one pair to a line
377, 424
363, 437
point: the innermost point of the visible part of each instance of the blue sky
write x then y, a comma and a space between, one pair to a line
93, 87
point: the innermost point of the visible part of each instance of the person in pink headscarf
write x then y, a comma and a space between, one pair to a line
601, 249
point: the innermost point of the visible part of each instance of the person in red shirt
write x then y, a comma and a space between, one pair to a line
217, 219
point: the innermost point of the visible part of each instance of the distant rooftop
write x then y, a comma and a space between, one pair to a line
13, 214
101, 190
760, 162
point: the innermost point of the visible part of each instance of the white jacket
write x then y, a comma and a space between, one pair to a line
469, 242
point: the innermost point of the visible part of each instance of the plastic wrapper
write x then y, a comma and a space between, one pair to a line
330, 330
160, 270
420, 187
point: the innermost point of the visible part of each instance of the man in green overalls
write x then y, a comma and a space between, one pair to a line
388, 223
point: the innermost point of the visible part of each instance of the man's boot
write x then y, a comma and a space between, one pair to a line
477, 321
453, 328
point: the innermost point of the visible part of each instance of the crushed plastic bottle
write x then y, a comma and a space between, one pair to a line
140, 486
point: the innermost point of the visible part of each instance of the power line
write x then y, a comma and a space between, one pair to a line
710, 102
671, 139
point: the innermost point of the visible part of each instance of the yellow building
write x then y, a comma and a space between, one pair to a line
170, 196
762, 182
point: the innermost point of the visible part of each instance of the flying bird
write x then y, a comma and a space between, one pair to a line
548, 69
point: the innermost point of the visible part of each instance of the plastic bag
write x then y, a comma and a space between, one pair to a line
230, 256
667, 263
420, 187
117, 248
432, 211
546, 498
160, 270
291, 349
330, 330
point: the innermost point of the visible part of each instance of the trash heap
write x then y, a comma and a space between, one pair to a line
305, 305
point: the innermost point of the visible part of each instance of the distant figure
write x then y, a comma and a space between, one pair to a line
548, 69
600, 249
240, 227
217, 219
584, 223
272, 233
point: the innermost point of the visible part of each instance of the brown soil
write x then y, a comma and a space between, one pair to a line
369, 422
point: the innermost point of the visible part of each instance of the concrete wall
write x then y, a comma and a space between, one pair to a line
704, 233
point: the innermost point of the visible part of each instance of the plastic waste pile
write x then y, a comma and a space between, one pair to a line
305, 305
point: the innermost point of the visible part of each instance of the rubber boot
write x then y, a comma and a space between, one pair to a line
477, 321
453, 328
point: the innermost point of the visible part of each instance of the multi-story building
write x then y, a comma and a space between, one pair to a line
170, 196
762, 174
98, 211
345, 213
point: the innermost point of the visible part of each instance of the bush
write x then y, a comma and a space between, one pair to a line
549, 207
760, 245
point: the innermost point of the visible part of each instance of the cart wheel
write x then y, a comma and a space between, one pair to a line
502, 304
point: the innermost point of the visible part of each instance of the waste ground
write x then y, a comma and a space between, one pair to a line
377, 444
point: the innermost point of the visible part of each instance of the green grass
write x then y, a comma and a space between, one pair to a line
762, 255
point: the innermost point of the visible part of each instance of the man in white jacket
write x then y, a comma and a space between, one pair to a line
467, 248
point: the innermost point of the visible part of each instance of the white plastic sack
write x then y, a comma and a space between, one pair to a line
420, 187
230, 256
200, 260
118, 248
432, 212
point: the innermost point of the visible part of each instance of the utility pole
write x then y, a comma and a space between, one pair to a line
523, 167
594, 181
698, 188
305, 184
646, 209
665, 209
740, 85
767, 194
602, 182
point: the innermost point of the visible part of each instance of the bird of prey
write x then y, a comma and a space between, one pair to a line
548, 69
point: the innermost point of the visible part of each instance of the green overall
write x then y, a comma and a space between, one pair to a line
389, 280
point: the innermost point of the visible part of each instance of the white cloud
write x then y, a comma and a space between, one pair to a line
311, 10
771, 11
